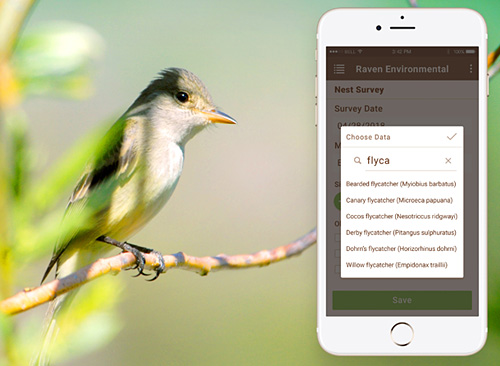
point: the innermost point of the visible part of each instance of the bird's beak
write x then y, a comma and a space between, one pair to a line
216, 116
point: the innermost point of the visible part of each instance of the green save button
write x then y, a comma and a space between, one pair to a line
402, 300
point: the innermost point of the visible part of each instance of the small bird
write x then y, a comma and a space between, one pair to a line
129, 181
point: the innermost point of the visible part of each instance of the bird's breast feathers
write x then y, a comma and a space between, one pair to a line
140, 198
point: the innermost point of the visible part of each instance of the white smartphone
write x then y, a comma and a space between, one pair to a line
402, 229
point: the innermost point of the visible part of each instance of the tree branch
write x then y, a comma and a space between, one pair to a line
30, 298
492, 57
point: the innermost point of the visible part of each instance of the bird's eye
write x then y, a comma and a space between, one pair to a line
182, 97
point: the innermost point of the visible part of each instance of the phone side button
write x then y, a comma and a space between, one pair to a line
488, 84
402, 334
316, 114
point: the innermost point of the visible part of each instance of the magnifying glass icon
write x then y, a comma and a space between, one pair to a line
357, 160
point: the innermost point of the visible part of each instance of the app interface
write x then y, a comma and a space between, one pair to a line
402, 181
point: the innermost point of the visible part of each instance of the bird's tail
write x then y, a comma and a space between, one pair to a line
51, 328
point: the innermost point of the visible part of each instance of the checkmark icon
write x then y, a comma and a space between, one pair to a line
451, 138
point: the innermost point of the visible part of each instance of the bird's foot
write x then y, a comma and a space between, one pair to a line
137, 251
159, 270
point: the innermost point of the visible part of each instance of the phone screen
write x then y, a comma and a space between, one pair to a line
402, 181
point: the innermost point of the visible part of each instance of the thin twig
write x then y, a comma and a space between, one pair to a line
492, 71
492, 57
31, 298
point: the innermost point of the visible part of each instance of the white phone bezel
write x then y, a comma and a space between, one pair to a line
346, 27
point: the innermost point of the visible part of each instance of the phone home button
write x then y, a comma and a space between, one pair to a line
402, 334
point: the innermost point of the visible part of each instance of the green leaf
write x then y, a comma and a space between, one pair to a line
91, 322
64, 174
20, 162
56, 59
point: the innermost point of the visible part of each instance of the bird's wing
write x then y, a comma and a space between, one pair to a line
117, 157
111, 166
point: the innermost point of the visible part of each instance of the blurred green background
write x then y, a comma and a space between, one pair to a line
244, 188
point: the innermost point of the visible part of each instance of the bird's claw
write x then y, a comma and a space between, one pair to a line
161, 268
140, 261
138, 251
